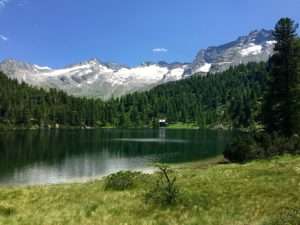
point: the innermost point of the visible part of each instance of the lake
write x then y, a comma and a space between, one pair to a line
59, 156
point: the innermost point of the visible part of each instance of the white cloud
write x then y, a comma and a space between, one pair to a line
3, 3
3, 38
159, 50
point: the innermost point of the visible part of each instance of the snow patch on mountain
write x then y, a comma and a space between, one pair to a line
177, 73
42, 67
273, 42
204, 69
94, 78
146, 73
253, 49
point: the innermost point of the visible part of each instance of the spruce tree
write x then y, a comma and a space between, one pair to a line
295, 92
281, 113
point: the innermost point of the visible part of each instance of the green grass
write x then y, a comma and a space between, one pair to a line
183, 126
250, 194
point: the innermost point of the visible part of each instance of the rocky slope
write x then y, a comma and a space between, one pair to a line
93, 78
255, 47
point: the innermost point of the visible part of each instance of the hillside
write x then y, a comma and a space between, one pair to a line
22, 106
258, 193
229, 99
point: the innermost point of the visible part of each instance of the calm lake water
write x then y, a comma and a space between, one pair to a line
58, 156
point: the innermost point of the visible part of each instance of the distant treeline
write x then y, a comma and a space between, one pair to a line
228, 99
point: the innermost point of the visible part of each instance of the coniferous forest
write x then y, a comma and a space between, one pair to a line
231, 99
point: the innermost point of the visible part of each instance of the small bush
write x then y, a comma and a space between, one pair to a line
261, 145
120, 181
165, 191
242, 150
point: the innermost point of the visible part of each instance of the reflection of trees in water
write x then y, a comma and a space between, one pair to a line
162, 133
21, 148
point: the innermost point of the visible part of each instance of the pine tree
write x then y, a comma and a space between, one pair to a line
295, 92
281, 102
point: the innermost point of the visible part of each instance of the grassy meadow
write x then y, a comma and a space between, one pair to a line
258, 193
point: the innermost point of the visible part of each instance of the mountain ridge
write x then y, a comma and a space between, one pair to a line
97, 79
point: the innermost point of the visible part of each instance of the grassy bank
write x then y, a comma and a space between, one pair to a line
254, 193
182, 126
177, 125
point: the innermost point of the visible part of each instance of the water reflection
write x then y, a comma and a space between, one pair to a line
38, 157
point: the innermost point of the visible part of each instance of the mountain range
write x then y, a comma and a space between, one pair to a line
97, 79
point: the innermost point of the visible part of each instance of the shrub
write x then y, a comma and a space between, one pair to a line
261, 145
120, 181
165, 191
242, 150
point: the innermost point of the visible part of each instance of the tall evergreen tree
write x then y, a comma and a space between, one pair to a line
295, 92
281, 113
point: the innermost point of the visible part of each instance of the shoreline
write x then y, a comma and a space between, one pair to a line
199, 164
209, 196
125, 128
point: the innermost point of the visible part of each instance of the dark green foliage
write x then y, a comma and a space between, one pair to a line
165, 191
27, 107
121, 181
282, 101
6, 210
261, 145
242, 149
231, 99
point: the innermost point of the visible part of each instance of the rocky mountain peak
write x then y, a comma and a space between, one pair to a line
255, 47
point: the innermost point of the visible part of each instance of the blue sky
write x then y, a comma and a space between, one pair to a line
61, 32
